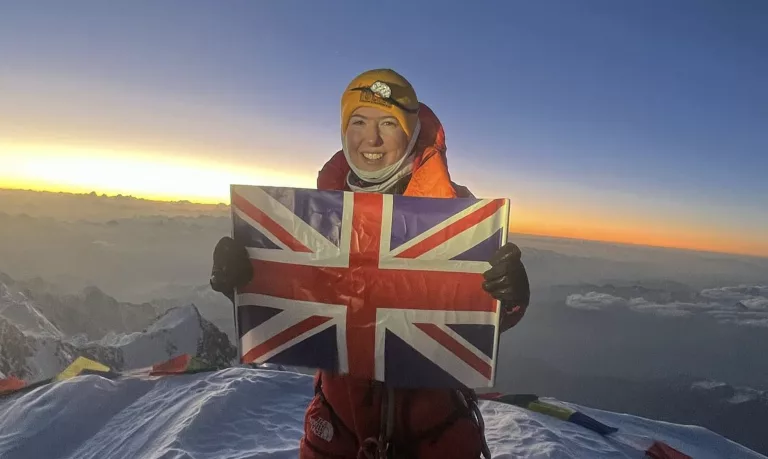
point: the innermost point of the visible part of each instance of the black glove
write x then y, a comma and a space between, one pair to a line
231, 267
507, 281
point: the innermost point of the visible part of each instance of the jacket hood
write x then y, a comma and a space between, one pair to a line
430, 175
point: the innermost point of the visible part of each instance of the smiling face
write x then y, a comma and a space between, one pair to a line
374, 139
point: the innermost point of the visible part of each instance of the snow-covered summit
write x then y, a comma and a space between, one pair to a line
180, 330
256, 413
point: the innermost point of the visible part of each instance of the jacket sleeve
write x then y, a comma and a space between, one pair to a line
510, 317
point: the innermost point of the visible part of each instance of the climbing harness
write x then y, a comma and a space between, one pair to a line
380, 448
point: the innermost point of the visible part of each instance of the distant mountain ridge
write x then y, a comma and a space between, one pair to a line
91, 312
35, 348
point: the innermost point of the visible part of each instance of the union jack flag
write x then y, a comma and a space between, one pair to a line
379, 286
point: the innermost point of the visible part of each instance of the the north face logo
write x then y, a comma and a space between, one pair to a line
321, 428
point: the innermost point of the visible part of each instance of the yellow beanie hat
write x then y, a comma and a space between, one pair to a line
384, 89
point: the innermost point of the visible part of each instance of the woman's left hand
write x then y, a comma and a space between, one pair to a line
507, 281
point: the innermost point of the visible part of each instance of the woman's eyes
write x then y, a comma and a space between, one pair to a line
388, 123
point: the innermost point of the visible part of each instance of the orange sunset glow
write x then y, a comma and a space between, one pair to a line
113, 172
168, 178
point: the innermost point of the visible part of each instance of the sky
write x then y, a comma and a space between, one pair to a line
639, 122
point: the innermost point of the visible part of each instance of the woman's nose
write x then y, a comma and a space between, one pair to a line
373, 137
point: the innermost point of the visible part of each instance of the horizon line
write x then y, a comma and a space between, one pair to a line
212, 203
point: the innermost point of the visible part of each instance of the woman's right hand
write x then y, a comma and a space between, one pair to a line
231, 267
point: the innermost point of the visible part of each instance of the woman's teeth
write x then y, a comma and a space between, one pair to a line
373, 156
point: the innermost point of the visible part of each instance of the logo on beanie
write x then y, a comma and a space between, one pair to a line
377, 93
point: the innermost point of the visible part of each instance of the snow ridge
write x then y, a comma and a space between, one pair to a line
257, 413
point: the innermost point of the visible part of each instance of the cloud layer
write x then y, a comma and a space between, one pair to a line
741, 305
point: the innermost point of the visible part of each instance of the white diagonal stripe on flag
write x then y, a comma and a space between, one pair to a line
470, 347
437, 228
293, 312
436, 353
256, 336
283, 216
387, 316
470, 237
261, 229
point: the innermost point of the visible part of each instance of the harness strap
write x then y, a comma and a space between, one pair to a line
379, 448
472, 401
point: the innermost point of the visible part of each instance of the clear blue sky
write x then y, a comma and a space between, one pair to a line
653, 110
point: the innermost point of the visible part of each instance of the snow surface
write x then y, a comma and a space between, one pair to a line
242, 413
